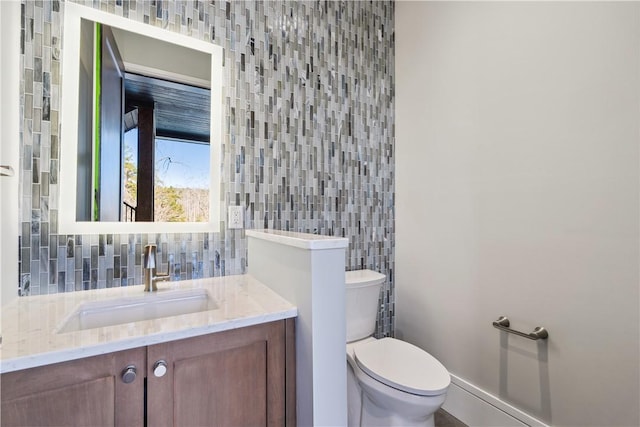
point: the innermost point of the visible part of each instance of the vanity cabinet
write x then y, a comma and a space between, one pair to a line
232, 378
81, 392
238, 377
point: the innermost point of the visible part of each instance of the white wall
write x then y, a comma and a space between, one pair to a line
518, 194
9, 145
309, 271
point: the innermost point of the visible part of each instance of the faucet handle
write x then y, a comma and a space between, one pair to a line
149, 256
151, 276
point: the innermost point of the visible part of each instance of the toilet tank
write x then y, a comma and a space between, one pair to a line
363, 290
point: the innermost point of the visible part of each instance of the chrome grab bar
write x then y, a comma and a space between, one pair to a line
6, 170
539, 333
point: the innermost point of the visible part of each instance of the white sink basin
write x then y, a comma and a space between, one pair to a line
134, 309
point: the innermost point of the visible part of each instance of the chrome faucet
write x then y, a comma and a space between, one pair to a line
151, 277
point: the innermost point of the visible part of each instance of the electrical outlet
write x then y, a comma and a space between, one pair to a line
235, 217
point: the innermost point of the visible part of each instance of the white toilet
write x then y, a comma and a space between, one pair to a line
389, 382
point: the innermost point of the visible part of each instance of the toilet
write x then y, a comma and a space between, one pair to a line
389, 382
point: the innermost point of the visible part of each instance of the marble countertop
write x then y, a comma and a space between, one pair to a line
30, 325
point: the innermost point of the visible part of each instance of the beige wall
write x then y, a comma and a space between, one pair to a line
518, 194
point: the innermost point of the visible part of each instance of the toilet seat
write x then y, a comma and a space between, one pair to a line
402, 366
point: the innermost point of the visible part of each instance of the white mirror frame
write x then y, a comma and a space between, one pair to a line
67, 224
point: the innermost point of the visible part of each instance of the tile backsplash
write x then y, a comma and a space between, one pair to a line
308, 142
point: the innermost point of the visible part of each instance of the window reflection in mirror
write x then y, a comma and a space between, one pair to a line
181, 186
144, 129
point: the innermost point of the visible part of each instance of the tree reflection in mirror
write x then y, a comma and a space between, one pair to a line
180, 190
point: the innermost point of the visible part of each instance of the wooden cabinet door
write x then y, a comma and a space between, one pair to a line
85, 392
231, 378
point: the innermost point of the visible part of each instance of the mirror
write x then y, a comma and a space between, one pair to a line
141, 130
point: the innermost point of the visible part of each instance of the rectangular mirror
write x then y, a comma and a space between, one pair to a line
141, 128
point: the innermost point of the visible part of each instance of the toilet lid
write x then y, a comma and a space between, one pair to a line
403, 366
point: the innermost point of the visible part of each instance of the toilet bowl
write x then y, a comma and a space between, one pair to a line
389, 382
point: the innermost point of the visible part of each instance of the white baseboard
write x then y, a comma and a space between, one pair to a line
477, 408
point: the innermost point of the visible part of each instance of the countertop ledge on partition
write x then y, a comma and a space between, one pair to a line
29, 324
300, 240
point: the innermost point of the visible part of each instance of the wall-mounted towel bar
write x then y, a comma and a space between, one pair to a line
539, 333
6, 170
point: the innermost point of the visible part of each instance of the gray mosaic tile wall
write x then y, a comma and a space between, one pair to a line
308, 144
